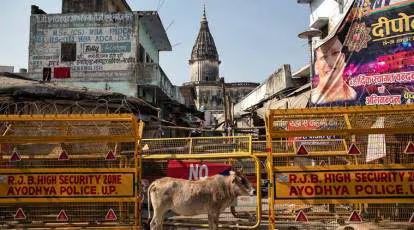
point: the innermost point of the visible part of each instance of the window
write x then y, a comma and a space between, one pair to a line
147, 58
68, 52
141, 54
47, 73
325, 30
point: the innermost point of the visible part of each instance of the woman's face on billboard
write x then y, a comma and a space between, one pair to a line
329, 60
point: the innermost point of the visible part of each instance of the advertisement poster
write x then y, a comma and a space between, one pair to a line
370, 58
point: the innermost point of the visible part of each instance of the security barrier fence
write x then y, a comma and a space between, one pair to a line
195, 158
70, 171
341, 168
196, 145
324, 168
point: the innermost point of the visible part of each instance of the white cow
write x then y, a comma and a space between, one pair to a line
209, 195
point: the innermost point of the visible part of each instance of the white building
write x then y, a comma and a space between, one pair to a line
325, 15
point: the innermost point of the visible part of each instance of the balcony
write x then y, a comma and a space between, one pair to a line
151, 74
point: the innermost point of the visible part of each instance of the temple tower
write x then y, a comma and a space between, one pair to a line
204, 62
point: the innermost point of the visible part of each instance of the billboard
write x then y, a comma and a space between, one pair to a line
369, 60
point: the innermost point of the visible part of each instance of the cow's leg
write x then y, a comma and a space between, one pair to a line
216, 220
153, 223
210, 221
213, 220
157, 220
159, 210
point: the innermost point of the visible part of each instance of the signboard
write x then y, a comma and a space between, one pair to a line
78, 43
21, 185
304, 145
345, 184
194, 170
313, 124
368, 61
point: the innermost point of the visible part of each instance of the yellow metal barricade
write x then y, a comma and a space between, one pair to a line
196, 154
341, 167
70, 171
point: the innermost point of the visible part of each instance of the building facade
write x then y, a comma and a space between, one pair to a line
326, 14
101, 44
80, 6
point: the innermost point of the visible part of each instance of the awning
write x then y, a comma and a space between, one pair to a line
299, 99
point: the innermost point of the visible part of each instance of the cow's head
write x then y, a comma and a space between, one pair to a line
241, 186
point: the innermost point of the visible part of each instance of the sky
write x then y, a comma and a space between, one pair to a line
253, 38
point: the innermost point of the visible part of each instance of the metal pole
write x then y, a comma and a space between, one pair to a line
223, 88
309, 34
311, 59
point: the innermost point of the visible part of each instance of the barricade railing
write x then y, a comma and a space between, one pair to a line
70, 171
197, 145
339, 167
194, 158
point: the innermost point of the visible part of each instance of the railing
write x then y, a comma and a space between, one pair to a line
198, 145
152, 74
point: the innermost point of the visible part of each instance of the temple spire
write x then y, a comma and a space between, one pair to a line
204, 61
204, 19
204, 47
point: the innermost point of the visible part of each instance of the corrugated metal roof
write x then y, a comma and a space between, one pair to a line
297, 99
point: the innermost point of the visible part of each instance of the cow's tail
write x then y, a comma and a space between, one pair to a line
149, 201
